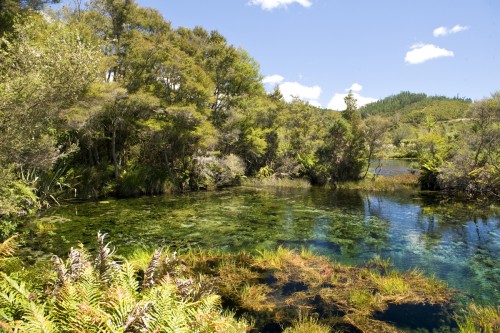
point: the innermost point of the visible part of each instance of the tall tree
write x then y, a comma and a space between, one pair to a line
10, 9
38, 71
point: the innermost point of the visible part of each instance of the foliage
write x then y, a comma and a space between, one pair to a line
472, 169
157, 109
383, 184
164, 291
96, 295
16, 199
405, 103
40, 61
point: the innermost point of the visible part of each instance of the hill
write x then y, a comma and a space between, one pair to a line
412, 107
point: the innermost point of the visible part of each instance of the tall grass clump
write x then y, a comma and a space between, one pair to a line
383, 183
277, 182
308, 325
476, 318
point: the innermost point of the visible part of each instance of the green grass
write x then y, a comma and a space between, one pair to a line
484, 319
307, 325
383, 184
277, 182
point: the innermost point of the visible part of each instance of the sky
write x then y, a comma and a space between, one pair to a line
319, 50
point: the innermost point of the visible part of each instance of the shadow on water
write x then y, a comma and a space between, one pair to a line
457, 242
430, 317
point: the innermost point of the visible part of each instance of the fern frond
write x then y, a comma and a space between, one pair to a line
103, 262
127, 278
35, 320
163, 307
89, 291
66, 304
8, 247
17, 287
62, 272
137, 316
78, 262
152, 270
118, 303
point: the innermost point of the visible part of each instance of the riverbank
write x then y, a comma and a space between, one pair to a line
271, 291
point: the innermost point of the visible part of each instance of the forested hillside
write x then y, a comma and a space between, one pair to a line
411, 106
111, 100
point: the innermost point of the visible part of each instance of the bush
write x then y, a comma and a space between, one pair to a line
212, 171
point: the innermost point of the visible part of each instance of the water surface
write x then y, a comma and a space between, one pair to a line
456, 242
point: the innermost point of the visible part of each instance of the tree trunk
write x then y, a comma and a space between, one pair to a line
113, 152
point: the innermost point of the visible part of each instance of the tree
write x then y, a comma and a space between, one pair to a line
38, 67
374, 130
10, 9
111, 19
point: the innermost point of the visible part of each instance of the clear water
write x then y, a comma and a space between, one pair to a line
456, 242
391, 167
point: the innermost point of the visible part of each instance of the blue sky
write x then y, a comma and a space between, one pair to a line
319, 49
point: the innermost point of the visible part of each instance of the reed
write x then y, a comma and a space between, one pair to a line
383, 184
277, 182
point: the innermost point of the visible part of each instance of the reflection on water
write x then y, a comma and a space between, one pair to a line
391, 167
455, 242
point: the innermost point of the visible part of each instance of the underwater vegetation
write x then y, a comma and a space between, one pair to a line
207, 291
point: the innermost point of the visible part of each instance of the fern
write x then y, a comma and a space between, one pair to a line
152, 270
104, 296
103, 262
8, 247
78, 263
36, 321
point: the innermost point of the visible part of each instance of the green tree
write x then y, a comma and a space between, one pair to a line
10, 9
341, 157
44, 68
374, 130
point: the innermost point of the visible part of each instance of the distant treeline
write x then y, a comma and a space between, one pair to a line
404, 103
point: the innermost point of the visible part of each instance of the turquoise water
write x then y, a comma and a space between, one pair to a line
456, 242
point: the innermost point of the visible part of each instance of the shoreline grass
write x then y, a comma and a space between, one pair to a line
295, 289
276, 182
383, 183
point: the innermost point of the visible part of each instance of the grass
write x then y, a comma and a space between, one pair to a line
383, 184
485, 319
392, 284
307, 325
255, 298
277, 182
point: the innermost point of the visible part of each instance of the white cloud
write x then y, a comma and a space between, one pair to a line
289, 90
271, 4
355, 87
422, 52
273, 79
337, 101
441, 31
458, 28
444, 31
